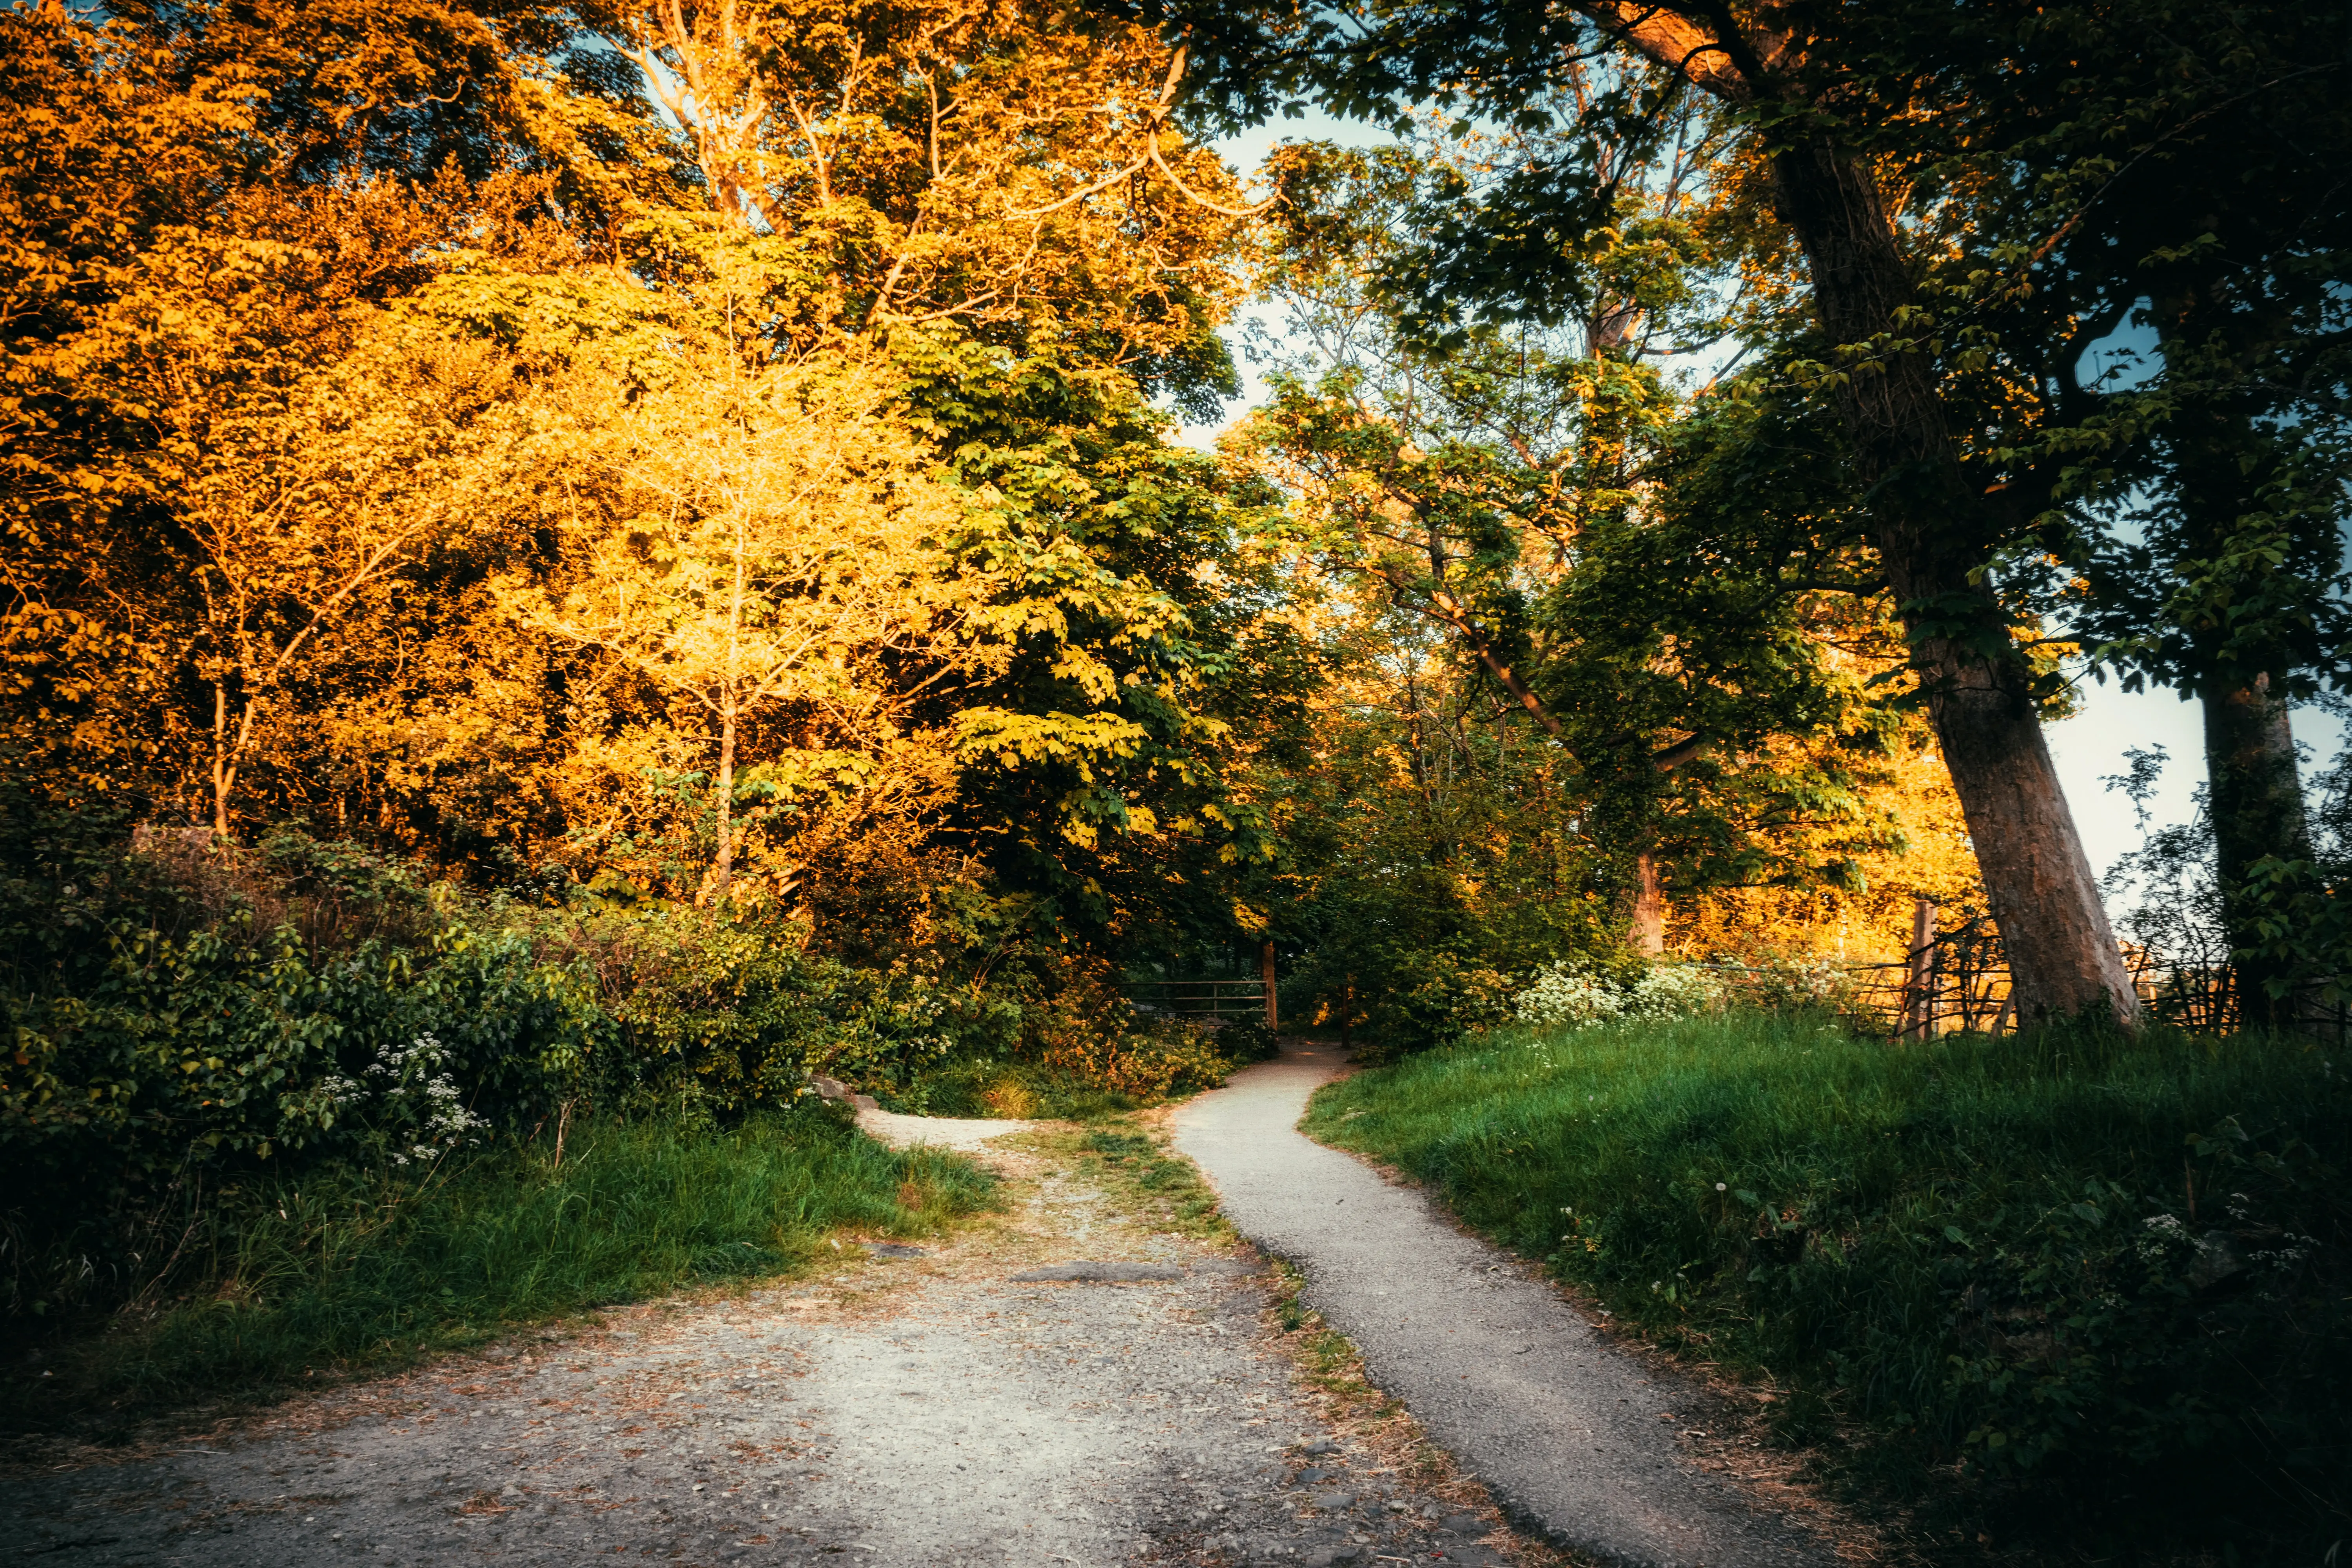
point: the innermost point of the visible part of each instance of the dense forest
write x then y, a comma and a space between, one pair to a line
574, 562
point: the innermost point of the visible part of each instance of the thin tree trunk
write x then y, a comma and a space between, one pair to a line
1648, 933
2255, 799
227, 754
220, 760
1266, 978
724, 872
1929, 528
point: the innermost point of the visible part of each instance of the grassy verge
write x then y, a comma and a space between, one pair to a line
1147, 1182
2071, 1280
347, 1271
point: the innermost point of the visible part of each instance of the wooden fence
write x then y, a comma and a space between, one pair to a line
1958, 979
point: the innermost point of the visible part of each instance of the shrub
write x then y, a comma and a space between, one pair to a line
1673, 991
1568, 995
174, 1063
1432, 999
1147, 1062
1247, 1040
1574, 994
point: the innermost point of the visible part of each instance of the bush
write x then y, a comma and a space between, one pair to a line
1568, 996
186, 1016
717, 1014
187, 1019
1247, 1040
1432, 999
161, 1065
1147, 1062
2102, 1266
1574, 993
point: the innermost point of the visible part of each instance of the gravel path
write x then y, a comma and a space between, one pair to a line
1574, 1437
927, 1411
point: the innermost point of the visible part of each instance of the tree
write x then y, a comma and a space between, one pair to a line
1935, 525
980, 165
2211, 474
1657, 579
764, 542
292, 495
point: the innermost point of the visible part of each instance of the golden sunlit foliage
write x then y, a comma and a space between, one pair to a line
706, 476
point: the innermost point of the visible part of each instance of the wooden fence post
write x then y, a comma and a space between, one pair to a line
1920, 1015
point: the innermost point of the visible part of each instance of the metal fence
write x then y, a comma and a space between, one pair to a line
1219, 1001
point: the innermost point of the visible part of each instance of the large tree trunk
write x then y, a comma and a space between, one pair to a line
2255, 799
1930, 531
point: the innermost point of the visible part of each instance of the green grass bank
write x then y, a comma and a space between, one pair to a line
349, 1268
2063, 1276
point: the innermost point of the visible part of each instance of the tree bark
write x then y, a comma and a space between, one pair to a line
2255, 800
1929, 528
1930, 531
1265, 977
1648, 931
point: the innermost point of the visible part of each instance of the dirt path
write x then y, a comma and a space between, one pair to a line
917, 1410
1576, 1437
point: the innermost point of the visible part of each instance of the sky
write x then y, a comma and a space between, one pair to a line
2089, 747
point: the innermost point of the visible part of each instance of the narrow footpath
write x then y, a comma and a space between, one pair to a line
1576, 1440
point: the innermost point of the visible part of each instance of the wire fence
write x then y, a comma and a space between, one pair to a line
1955, 978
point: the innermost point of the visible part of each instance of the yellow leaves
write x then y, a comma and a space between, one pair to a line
798, 540
984, 165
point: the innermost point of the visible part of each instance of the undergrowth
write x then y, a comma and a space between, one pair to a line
2102, 1281
348, 1269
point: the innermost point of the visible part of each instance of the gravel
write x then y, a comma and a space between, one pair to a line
1563, 1428
1100, 1273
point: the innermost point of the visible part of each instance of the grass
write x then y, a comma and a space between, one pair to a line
1018, 1090
1140, 1174
2104, 1280
346, 1271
